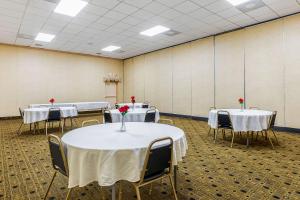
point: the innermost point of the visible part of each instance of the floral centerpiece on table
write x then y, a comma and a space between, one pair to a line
52, 100
132, 101
241, 101
123, 110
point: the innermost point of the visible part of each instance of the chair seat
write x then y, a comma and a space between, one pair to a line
151, 177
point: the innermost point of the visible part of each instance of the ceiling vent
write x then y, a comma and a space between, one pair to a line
98, 54
250, 5
38, 45
25, 36
171, 33
120, 51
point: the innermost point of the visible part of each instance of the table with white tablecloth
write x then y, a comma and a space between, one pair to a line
104, 154
130, 105
81, 106
32, 115
243, 120
133, 115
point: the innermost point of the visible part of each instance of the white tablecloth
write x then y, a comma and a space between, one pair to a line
136, 105
243, 120
104, 154
32, 115
133, 115
81, 106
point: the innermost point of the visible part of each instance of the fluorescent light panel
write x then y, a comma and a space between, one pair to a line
237, 2
110, 48
44, 37
70, 7
154, 31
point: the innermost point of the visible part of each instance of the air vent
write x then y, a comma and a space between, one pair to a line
25, 36
38, 45
251, 5
52, 1
171, 33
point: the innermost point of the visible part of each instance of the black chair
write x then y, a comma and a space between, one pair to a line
59, 161
150, 115
54, 115
107, 116
158, 164
145, 105
224, 123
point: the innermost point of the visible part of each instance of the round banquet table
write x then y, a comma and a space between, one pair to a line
32, 115
104, 154
133, 115
136, 105
243, 120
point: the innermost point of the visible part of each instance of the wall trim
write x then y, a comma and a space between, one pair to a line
205, 119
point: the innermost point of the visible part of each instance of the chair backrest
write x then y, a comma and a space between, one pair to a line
54, 114
58, 155
117, 106
21, 113
150, 115
224, 120
90, 122
254, 108
145, 106
107, 116
272, 120
159, 160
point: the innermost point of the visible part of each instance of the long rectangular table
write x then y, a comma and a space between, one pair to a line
81, 106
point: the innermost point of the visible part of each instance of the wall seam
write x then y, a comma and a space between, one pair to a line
214, 57
284, 70
245, 104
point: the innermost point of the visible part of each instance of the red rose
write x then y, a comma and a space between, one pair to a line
52, 100
123, 110
132, 97
241, 100
132, 100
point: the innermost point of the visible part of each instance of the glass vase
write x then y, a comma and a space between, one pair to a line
123, 127
242, 107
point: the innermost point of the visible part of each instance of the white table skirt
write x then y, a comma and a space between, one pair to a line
32, 115
136, 105
246, 120
81, 106
104, 154
133, 115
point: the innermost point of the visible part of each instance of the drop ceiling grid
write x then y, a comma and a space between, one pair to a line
118, 22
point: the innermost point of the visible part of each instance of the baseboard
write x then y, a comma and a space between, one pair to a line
277, 128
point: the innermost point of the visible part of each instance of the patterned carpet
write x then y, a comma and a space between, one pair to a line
209, 171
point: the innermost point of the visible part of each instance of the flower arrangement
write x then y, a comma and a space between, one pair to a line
52, 100
132, 99
123, 110
241, 101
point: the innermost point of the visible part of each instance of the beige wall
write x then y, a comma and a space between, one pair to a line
260, 63
30, 75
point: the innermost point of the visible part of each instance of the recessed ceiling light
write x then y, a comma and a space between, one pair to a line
154, 30
111, 48
44, 37
70, 7
237, 2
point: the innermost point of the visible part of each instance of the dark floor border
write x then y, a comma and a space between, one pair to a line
277, 128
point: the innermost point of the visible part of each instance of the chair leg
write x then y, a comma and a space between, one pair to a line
209, 131
120, 192
216, 135
269, 139
69, 193
173, 187
50, 185
20, 129
46, 129
62, 126
275, 136
232, 132
137, 190
150, 189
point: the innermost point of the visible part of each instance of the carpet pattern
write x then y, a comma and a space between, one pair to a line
209, 171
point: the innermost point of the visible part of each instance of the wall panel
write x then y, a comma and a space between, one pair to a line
265, 68
202, 70
292, 71
229, 66
182, 83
